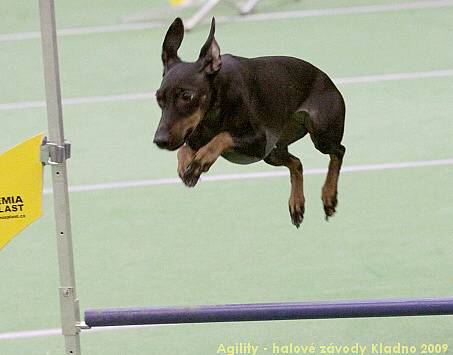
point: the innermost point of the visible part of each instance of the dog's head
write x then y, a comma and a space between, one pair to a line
184, 93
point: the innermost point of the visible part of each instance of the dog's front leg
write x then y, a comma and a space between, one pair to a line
185, 157
206, 156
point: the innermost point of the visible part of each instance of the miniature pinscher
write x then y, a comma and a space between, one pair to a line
247, 110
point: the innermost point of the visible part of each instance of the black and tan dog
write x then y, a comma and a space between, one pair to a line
246, 110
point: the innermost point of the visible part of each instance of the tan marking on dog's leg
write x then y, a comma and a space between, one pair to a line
185, 156
329, 190
296, 199
206, 156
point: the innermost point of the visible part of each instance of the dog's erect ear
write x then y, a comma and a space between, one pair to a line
210, 60
172, 42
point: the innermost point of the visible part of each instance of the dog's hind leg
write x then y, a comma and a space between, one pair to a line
336, 151
325, 126
281, 157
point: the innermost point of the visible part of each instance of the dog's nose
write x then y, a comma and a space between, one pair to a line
162, 142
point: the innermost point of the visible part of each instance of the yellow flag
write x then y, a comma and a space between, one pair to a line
20, 188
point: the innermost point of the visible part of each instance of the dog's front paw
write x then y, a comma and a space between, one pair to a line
329, 200
297, 208
192, 174
185, 157
201, 163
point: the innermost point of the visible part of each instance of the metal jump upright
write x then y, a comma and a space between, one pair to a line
56, 151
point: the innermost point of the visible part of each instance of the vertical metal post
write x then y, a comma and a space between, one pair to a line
69, 305
200, 14
248, 6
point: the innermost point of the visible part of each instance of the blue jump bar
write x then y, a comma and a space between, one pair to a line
269, 312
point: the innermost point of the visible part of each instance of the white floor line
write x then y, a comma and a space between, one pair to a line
21, 36
255, 175
10, 106
57, 331
394, 77
30, 334
78, 100
425, 4
364, 9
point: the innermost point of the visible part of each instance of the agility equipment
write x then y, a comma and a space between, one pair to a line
268, 312
58, 152
205, 7
209, 5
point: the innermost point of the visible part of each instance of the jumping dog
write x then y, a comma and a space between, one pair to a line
247, 110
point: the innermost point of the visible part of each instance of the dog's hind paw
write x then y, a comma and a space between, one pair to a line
297, 218
329, 211
329, 200
297, 210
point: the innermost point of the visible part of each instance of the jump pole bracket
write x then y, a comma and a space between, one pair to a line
54, 154
82, 326
69, 301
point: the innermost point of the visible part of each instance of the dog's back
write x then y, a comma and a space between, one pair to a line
275, 85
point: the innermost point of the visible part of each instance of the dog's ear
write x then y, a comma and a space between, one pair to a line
210, 60
172, 42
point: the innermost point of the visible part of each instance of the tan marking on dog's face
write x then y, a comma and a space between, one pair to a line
181, 127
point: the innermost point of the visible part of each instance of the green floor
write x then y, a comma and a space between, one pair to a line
232, 241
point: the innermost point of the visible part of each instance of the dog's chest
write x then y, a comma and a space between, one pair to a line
238, 157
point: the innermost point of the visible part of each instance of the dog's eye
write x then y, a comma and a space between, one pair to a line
187, 96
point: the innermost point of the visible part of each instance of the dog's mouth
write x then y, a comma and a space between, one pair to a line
172, 147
